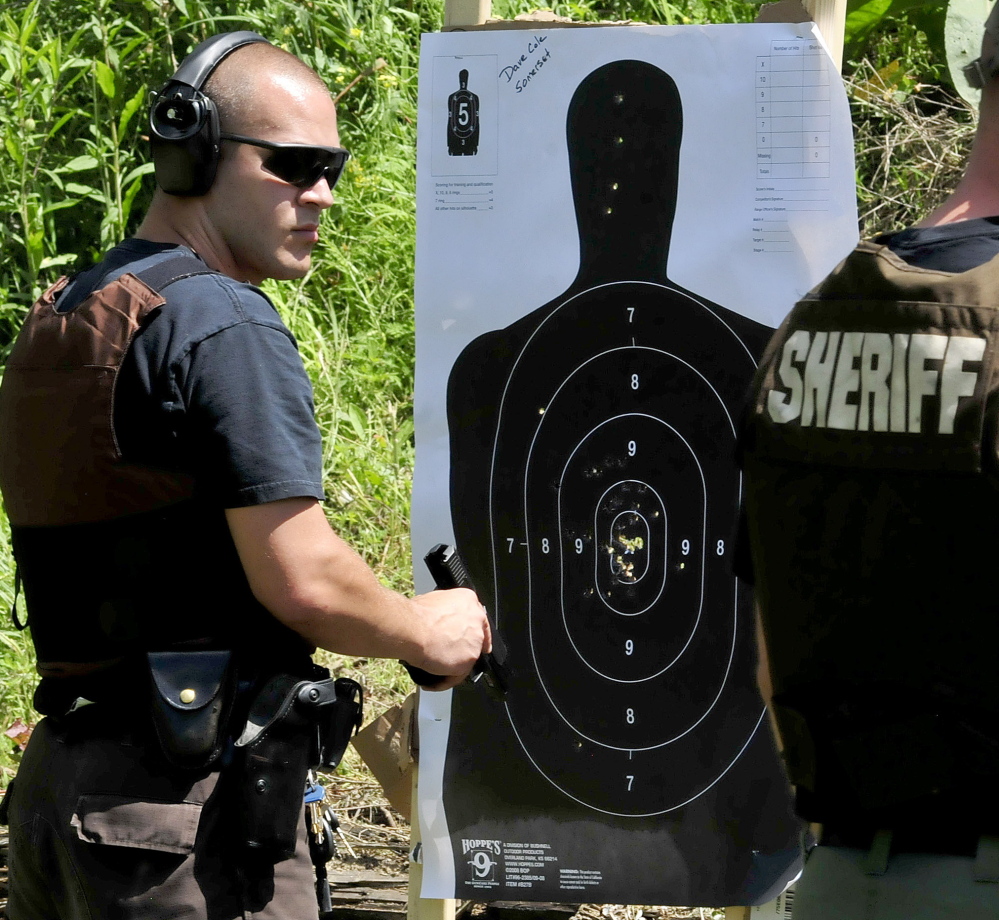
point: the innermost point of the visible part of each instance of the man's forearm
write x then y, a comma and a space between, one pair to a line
317, 585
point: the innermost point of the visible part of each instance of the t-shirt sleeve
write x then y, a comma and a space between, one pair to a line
250, 417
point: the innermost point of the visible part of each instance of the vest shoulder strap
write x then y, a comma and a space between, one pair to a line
163, 274
158, 277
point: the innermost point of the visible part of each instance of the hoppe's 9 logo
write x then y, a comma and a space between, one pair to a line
482, 851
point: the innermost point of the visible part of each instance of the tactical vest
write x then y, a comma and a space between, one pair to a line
115, 557
871, 466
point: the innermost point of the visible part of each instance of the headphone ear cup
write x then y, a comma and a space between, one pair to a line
184, 123
184, 136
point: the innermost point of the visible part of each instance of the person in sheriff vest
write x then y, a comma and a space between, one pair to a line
871, 458
162, 471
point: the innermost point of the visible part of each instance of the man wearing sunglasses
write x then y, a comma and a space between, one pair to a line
162, 470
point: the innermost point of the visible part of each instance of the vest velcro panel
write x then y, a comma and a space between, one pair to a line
59, 459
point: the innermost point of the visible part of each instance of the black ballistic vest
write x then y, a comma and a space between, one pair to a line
116, 558
873, 504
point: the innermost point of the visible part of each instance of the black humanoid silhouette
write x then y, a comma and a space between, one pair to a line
463, 120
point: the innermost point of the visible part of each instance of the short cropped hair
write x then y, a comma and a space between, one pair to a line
234, 90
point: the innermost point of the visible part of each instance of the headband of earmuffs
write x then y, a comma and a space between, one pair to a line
183, 121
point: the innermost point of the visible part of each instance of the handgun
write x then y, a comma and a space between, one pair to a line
448, 571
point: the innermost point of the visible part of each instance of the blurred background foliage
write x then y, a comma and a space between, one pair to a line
75, 77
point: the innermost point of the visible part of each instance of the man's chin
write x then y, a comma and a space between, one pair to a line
292, 269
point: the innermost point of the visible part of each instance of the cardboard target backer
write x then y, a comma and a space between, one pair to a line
611, 221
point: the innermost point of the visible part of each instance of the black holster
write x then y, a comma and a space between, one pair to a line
191, 698
293, 726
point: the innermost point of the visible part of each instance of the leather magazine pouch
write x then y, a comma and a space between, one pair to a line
192, 694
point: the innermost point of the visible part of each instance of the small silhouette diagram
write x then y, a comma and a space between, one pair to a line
463, 120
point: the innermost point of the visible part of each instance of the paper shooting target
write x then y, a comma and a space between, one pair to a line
595, 490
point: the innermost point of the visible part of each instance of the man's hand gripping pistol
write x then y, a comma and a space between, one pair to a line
449, 571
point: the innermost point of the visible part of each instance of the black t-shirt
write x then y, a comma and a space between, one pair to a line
955, 247
213, 385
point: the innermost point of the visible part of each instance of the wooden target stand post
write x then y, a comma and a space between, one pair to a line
830, 16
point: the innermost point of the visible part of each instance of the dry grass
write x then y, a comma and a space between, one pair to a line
373, 835
626, 912
911, 150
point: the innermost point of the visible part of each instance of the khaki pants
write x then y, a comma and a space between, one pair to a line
102, 829
835, 885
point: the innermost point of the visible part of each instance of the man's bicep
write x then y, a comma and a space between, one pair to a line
314, 583
283, 546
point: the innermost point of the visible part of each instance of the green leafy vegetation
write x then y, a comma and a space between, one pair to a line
912, 128
74, 82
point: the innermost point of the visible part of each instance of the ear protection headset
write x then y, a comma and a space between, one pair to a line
184, 123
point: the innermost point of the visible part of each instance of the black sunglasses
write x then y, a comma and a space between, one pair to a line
301, 165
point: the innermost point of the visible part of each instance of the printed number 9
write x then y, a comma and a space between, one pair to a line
481, 863
629, 647
632, 448
579, 545
685, 547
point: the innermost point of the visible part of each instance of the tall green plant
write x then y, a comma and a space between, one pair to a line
38, 70
903, 39
654, 12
